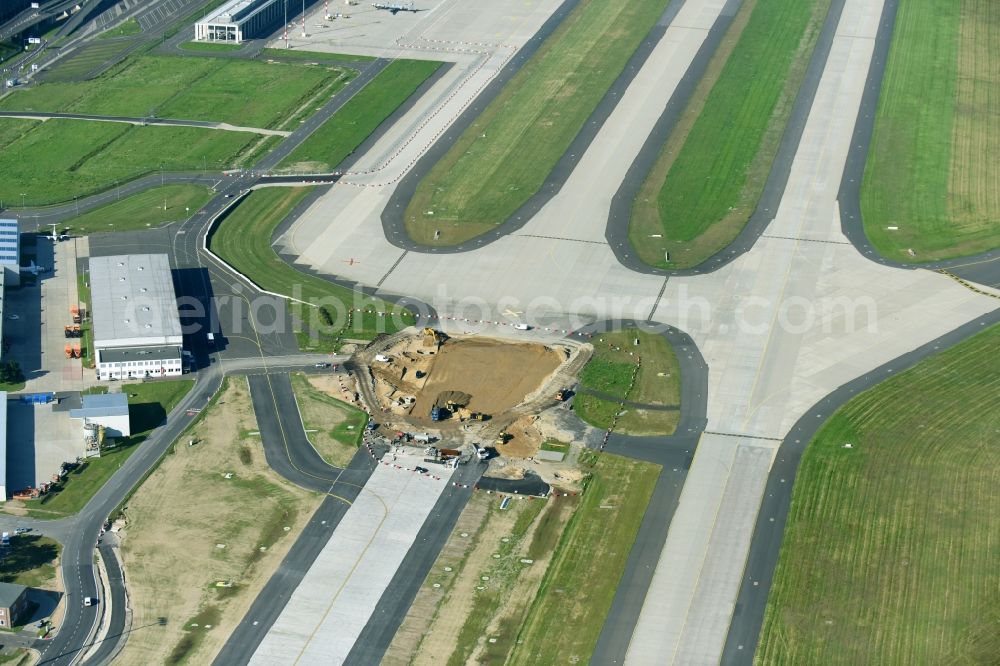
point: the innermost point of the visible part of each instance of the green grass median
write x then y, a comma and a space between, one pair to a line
339, 136
243, 240
890, 552
576, 594
504, 157
609, 375
705, 186
145, 209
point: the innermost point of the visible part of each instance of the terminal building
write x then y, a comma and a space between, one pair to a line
236, 20
137, 329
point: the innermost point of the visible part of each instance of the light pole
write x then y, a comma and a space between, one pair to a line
22, 199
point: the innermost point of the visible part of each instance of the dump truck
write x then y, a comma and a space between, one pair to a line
69, 351
77, 353
437, 413
74, 312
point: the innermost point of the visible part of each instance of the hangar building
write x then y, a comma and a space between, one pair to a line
137, 329
236, 20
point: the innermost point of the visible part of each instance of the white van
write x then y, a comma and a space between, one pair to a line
90, 601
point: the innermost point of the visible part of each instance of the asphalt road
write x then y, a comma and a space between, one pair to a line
116, 582
177, 122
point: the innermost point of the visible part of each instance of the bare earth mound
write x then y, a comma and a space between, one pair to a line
498, 375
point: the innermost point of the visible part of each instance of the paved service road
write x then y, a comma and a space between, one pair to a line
176, 122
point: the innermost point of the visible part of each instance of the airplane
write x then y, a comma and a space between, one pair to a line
33, 269
395, 7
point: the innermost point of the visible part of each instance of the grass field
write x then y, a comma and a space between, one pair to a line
243, 240
149, 404
357, 119
567, 614
241, 92
83, 61
503, 158
31, 561
210, 47
932, 169
126, 29
699, 198
293, 54
188, 527
334, 427
57, 160
146, 209
609, 371
890, 553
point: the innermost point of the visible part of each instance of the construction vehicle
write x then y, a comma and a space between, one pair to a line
73, 331
433, 338
74, 312
561, 395
76, 351
69, 351
502, 438
437, 413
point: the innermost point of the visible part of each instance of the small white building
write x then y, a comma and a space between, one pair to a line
109, 410
137, 329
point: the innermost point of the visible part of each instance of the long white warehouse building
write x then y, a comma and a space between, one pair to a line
137, 329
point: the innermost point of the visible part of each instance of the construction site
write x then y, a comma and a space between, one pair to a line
467, 396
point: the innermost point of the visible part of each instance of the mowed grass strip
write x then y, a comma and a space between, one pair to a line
890, 553
339, 136
146, 209
243, 240
209, 47
932, 168
294, 54
83, 61
570, 608
126, 29
247, 93
609, 372
504, 157
149, 404
57, 160
712, 186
